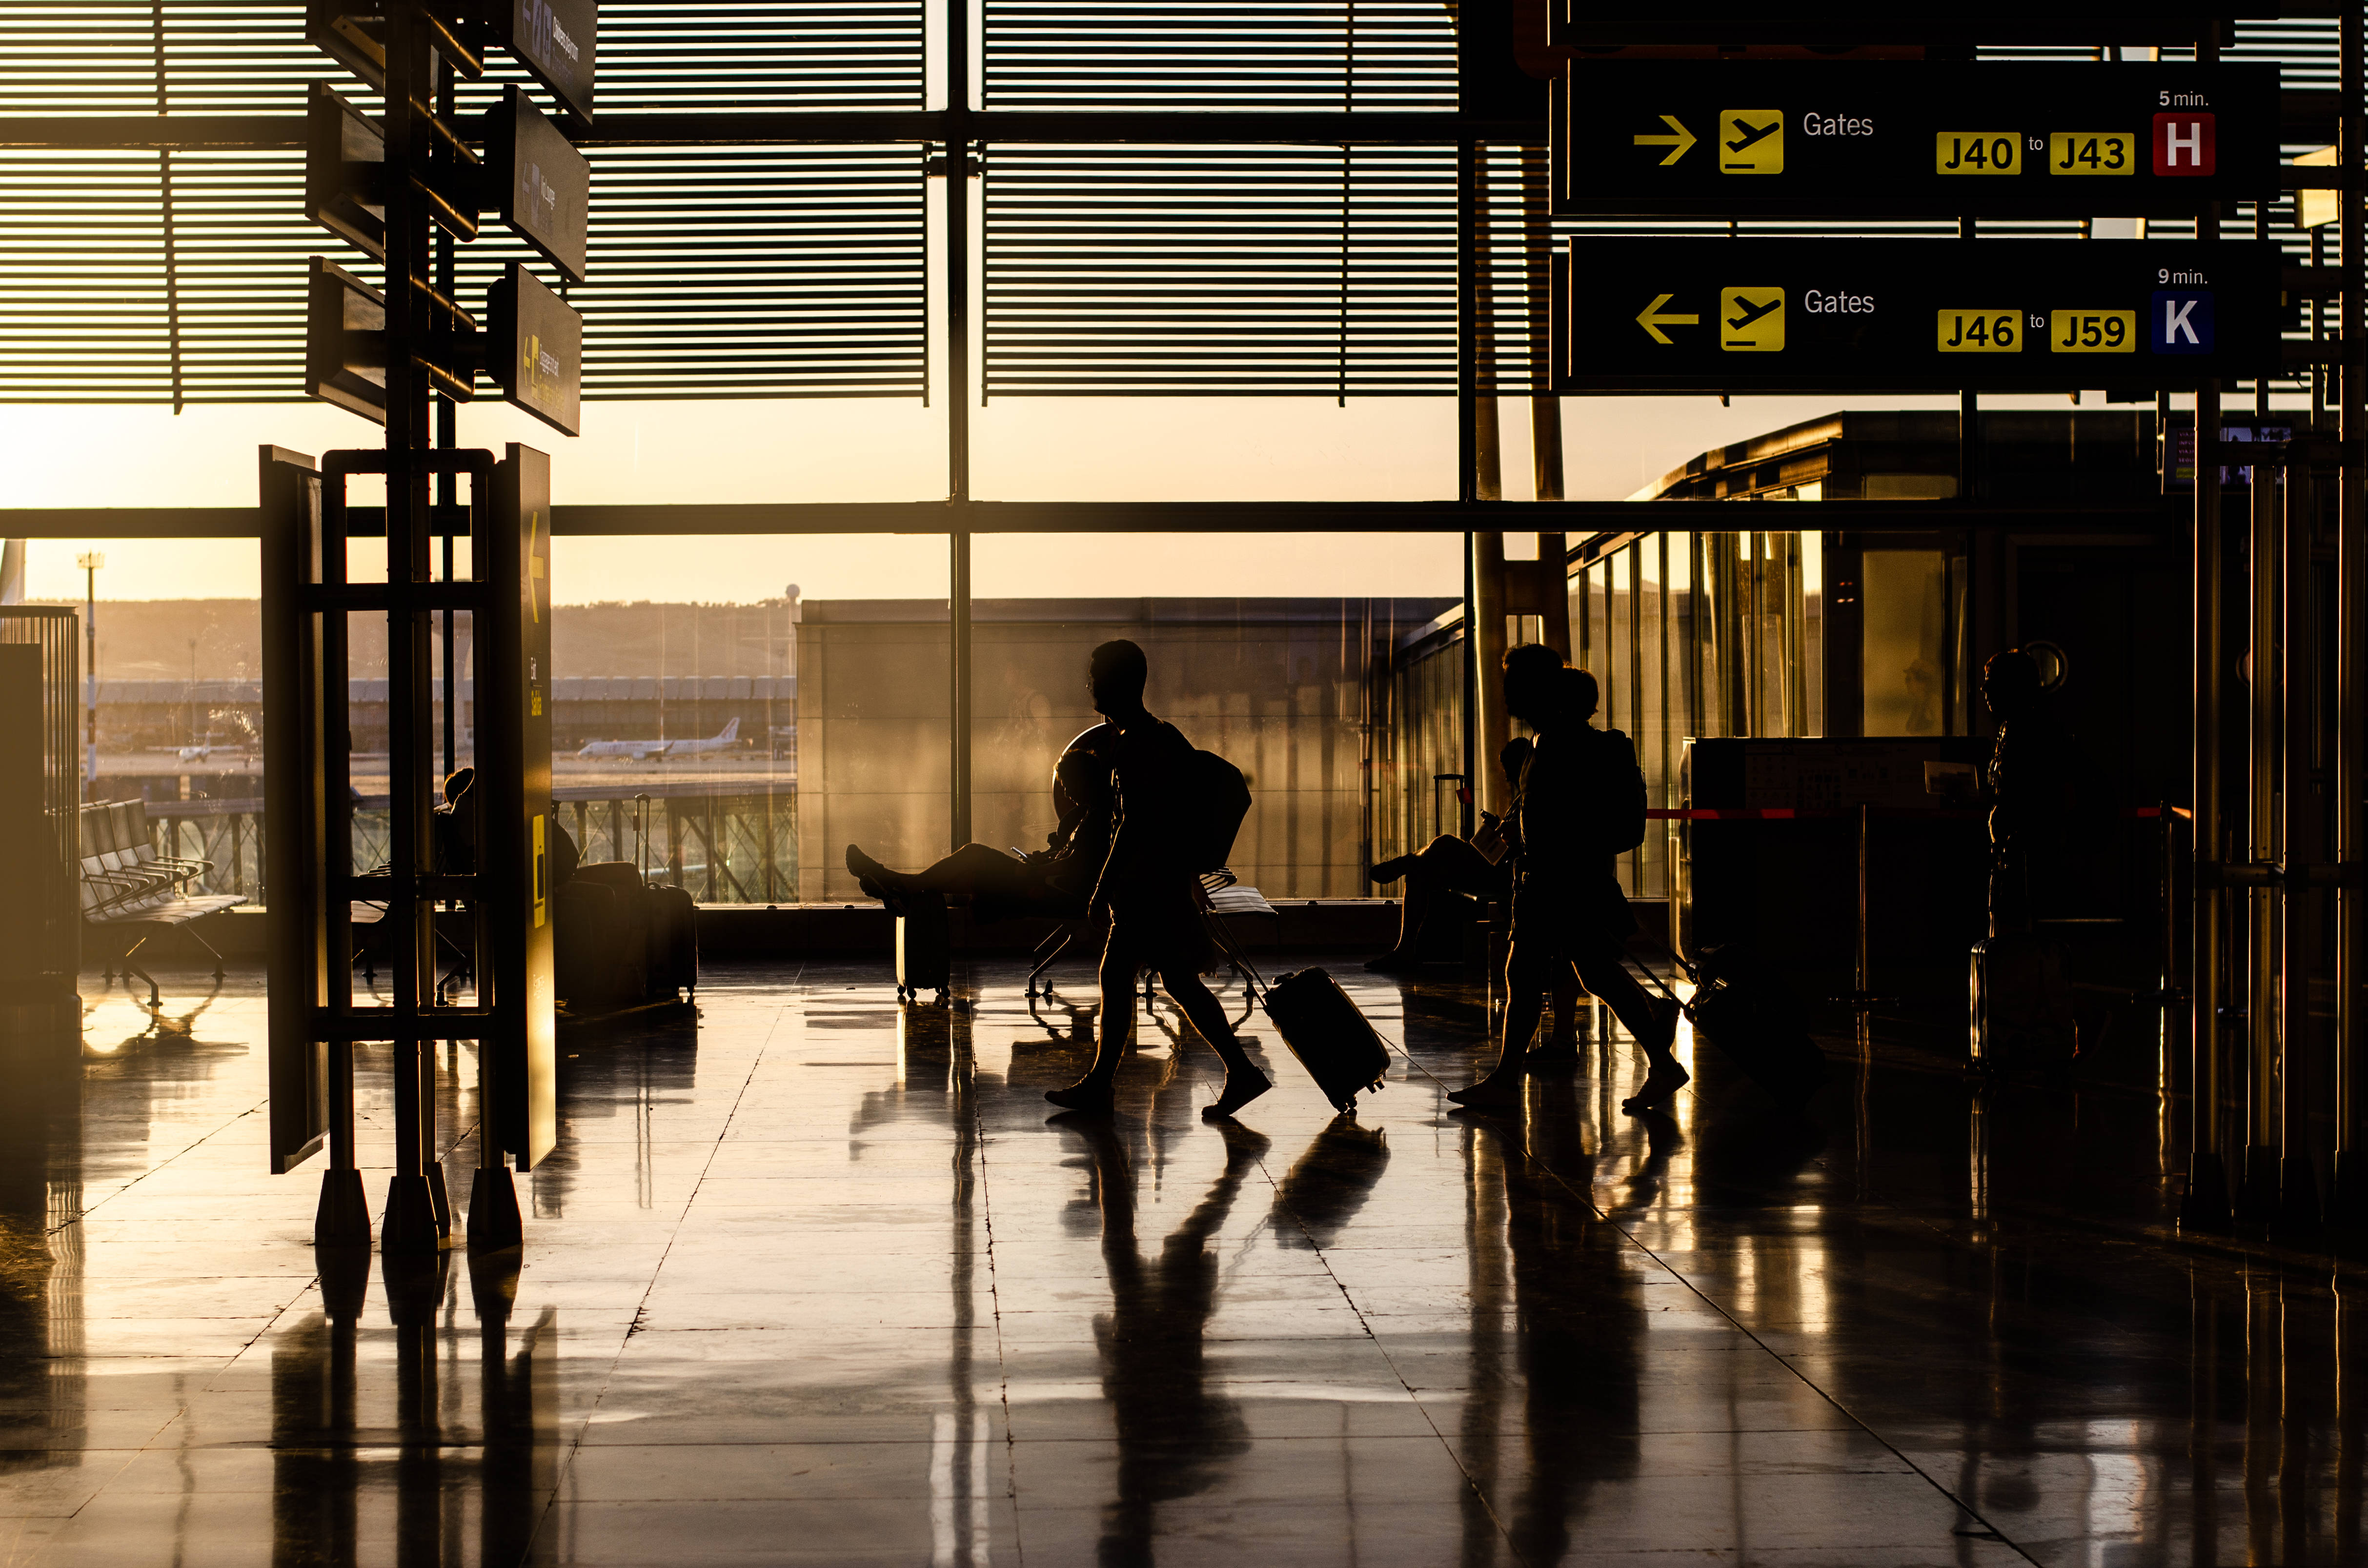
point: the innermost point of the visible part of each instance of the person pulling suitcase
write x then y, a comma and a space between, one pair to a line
1149, 894
1581, 802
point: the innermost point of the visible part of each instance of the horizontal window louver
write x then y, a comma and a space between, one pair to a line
781, 271
1219, 54
1220, 270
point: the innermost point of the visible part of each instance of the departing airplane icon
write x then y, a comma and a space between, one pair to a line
1750, 135
1752, 312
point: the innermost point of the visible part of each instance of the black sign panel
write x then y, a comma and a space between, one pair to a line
514, 660
1804, 315
345, 171
344, 341
555, 41
1579, 23
1908, 139
534, 349
538, 181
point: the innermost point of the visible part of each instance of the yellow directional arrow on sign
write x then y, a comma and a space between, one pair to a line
1678, 145
1652, 320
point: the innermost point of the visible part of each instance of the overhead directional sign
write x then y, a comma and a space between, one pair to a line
537, 180
556, 41
1655, 138
1806, 316
534, 349
1581, 23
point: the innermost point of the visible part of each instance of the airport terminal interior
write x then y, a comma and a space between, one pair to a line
606, 957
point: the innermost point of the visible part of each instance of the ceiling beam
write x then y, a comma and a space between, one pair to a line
1580, 519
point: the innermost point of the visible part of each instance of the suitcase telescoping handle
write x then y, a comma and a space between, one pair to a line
1259, 989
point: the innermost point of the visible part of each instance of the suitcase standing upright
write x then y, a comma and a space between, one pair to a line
588, 946
673, 942
1331, 1038
924, 947
629, 954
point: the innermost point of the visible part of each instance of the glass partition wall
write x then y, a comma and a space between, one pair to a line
1695, 636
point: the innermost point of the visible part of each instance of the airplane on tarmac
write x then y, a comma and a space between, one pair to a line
205, 752
648, 751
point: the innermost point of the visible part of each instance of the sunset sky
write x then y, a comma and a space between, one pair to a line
1166, 448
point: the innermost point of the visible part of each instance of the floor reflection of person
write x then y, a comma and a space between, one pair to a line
1149, 895
1173, 1434
1569, 909
1577, 1327
1055, 880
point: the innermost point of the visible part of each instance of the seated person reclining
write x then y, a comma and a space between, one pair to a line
1054, 880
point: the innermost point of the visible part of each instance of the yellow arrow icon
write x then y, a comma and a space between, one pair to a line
1652, 320
1678, 145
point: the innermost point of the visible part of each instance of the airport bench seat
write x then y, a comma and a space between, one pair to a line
125, 883
1225, 898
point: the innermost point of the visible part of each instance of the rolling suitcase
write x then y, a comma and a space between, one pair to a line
1753, 1021
1328, 1034
1320, 1024
674, 943
924, 947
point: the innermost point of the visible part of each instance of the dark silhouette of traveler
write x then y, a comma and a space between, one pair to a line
1569, 909
2024, 1012
1173, 1433
1055, 880
452, 826
1447, 864
1150, 896
2029, 782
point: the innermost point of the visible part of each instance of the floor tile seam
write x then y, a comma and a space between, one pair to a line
1383, 1349
980, 1141
584, 1425
1968, 1509
124, 1187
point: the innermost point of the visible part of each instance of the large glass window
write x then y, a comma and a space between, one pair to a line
1904, 651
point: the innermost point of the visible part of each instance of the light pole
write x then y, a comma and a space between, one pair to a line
90, 562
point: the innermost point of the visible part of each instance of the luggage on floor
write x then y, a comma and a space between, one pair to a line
1331, 1038
924, 947
624, 936
673, 942
1753, 1021
1323, 1028
590, 938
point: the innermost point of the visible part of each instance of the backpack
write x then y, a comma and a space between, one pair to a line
1215, 798
1617, 785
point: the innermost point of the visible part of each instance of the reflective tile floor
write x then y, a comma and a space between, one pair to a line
821, 1282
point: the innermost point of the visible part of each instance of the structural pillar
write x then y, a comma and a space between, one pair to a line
2350, 1194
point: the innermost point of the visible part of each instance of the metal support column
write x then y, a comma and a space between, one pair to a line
2206, 1204
1491, 726
2352, 638
2257, 1195
408, 1223
2298, 1196
958, 407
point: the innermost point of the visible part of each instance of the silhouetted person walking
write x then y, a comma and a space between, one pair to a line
1148, 893
1449, 865
1568, 911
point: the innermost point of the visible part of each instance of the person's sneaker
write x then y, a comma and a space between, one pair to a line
1390, 870
1083, 1097
1240, 1089
1668, 1076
